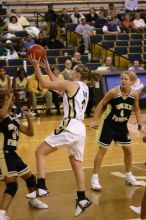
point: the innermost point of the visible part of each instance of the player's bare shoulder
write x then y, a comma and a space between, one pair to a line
134, 93
114, 92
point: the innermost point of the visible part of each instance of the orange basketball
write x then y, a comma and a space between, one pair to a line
36, 51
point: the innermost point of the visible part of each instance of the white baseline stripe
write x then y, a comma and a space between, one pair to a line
61, 170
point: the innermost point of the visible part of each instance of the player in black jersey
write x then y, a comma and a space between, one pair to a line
11, 165
118, 104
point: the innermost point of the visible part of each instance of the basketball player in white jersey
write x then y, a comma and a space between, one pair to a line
71, 132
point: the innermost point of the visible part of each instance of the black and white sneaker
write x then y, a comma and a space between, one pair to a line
81, 206
37, 193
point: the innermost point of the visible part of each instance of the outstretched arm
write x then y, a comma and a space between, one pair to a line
142, 92
137, 110
99, 108
64, 85
28, 130
45, 64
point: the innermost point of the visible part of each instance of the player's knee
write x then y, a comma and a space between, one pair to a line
11, 188
31, 181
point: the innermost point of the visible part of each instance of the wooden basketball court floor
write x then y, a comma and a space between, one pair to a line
110, 204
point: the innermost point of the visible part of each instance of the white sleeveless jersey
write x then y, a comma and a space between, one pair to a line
75, 105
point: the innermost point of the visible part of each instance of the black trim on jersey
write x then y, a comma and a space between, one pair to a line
73, 103
74, 94
125, 96
61, 128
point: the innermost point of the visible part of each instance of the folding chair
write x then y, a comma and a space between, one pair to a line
53, 52
15, 62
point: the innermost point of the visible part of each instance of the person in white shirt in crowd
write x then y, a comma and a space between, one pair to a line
75, 17
85, 30
13, 25
21, 19
67, 72
136, 66
137, 85
131, 5
139, 23
11, 52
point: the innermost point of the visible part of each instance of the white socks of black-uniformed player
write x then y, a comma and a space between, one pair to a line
95, 185
3, 215
131, 180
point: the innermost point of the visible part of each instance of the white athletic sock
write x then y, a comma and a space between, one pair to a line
2, 212
128, 173
94, 176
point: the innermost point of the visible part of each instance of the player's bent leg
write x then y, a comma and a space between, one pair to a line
43, 150
82, 202
129, 178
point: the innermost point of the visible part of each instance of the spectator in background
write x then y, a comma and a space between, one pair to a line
21, 19
131, 5
100, 20
67, 72
11, 52
111, 28
37, 90
109, 63
51, 19
54, 43
75, 17
21, 50
13, 25
21, 93
136, 66
41, 40
111, 7
137, 85
91, 16
63, 19
127, 24
138, 23
56, 95
76, 59
29, 41
115, 19
5, 81
85, 30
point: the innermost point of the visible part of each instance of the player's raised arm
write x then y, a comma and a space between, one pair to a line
6, 105
45, 64
28, 130
99, 108
53, 85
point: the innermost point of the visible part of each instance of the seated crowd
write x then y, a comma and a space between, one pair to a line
27, 89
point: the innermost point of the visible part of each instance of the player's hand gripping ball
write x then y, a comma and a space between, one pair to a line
36, 51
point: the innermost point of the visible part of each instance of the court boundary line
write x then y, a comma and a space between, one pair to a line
62, 170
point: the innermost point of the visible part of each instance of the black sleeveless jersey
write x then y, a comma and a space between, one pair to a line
9, 133
119, 109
